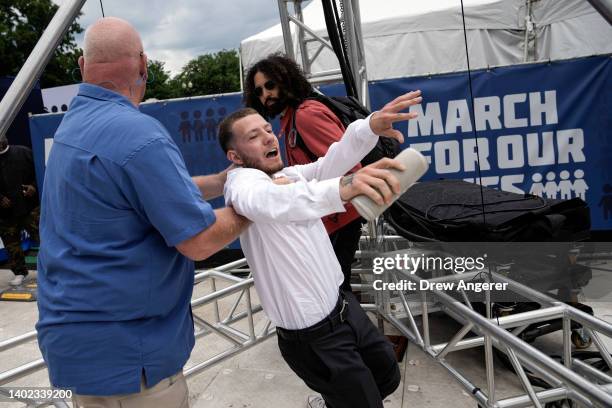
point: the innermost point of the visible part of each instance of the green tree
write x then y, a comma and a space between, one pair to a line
22, 23
209, 74
158, 84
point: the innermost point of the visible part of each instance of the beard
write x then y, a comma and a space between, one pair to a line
256, 164
277, 106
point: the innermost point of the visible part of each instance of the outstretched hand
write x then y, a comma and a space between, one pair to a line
381, 122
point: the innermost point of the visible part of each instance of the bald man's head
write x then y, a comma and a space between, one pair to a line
113, 57
110, 39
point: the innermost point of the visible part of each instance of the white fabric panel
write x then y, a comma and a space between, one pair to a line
577, 37
407, 38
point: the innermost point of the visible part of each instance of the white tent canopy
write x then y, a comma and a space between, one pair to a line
406, 38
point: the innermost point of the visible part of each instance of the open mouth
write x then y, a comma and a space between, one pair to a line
270, 101
272, 153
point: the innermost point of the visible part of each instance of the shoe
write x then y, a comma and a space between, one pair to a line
316, 401
17, 280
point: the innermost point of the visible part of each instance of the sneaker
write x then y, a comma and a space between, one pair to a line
18, 280
316, 401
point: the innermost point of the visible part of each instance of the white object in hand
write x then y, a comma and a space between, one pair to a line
415, 164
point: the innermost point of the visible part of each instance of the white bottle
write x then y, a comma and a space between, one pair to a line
415, 164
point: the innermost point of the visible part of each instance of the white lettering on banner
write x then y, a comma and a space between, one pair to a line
487, 110
510, 119
510, 152
470, 158
547, 149
548, 107
508, 183
571, 143
426, 121
423, 148
458, 115
514, 150
447, 157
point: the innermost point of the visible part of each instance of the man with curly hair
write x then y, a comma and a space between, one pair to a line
276, 86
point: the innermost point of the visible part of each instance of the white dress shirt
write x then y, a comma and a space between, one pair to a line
296, 272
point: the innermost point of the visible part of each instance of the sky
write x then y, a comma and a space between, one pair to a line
177, 31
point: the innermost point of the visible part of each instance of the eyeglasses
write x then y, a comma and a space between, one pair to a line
269, 85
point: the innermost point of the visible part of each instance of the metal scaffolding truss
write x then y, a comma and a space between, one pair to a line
241, 328
574, 379
297, 45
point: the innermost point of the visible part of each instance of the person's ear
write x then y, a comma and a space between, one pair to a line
81, 62
234, 157
144, 67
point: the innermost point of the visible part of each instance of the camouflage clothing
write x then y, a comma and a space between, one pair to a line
10, 233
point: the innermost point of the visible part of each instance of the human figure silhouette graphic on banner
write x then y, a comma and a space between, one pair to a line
580, 186
210, 124
221, 112
551, 188
565, 185
537, 188
198, 126
606, 202
185, 127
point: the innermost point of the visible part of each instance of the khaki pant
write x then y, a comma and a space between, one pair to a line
170, 392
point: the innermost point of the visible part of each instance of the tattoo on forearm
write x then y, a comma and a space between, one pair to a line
346, 180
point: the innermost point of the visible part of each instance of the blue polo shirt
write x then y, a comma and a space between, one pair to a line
113, 291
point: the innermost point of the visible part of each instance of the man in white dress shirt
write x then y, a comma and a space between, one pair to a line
323, 333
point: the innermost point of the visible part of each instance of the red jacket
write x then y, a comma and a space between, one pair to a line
318, 127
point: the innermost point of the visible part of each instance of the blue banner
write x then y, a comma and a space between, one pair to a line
542, 129
539, 128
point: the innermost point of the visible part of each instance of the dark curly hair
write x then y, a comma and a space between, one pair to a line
292, 83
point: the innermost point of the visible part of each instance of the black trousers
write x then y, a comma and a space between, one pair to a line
10, 232
351, 366
346, 242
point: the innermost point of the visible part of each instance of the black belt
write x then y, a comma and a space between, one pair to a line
325, 326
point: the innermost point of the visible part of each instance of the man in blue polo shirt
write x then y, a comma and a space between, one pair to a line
121, 223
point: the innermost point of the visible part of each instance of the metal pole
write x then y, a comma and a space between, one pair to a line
359, 45
349, 25
321, 40
551, 395
213, 285
17, 340
490, 369
567, 342
579, 365
595, 392
425, 320
297, 5
603, 7
36, 62
241, 68
284, 18
249, 310
518, 368
528, 27
450, 346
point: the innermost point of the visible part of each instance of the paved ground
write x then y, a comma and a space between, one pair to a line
259, 378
